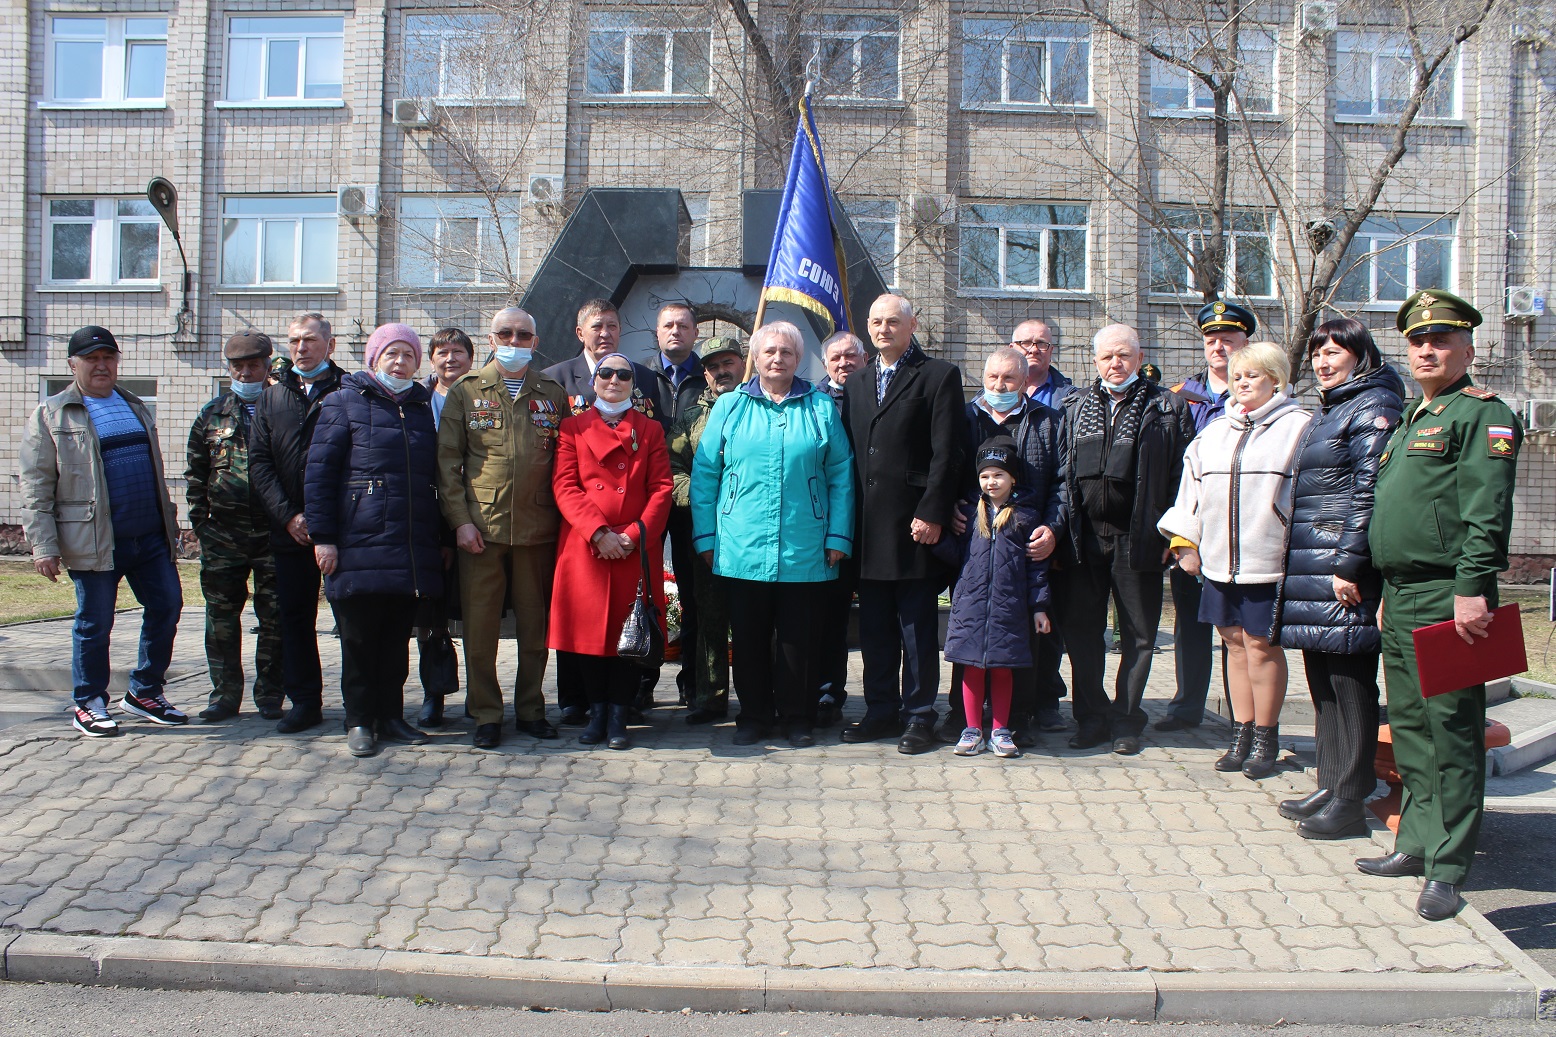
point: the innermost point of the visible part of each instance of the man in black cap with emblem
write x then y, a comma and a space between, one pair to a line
234, 531
1439, 535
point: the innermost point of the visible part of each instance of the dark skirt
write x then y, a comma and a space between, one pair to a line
1247, 605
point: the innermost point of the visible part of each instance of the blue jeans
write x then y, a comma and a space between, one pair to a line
148, 565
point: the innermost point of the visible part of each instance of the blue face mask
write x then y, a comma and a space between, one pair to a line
1126, 383
1002, 401
248, 392
513, 358
324, 365
393, 384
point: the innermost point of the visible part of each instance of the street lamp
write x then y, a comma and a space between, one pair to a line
164, 198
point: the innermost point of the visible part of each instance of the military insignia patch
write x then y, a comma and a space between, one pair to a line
1427, 446
1219, 307
1479, 393
1433, 431
1499, 440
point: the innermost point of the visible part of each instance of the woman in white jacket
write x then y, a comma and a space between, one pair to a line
1228, 526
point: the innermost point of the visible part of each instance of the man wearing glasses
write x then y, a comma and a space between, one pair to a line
496, 450
1044, 384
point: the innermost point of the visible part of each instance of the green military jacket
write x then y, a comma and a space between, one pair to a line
221, 502
684, 437
496, 455
1444, 503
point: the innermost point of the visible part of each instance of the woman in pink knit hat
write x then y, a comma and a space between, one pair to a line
372, 510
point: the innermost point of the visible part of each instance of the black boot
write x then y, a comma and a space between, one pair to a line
1307, 806
1266, 751
1242, 739
594, 731
616, 726
431, 714
1340, 819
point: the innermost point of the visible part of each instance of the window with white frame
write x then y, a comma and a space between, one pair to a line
875, 221
1376, 76
635, 53
1390, 260
106, 60
1249, 271
1175, 89
858, 56
1023, 247
458, 241
279, 241
469, 56
101, 241
697, 209
285, 59
1018, 62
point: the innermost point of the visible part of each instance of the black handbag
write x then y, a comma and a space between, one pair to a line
642, 638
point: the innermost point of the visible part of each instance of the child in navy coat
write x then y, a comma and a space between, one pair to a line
1000, 595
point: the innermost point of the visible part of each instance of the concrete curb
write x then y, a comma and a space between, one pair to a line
1260, 998
1527, 749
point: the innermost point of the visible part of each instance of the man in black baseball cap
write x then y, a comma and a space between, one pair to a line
89, 340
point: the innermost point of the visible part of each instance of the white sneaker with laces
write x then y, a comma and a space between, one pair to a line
1003, 743
154, 707
971, 742
93, 720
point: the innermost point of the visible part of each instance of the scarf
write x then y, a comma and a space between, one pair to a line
1098, 454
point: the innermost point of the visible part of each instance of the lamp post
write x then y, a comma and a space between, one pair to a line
164, 198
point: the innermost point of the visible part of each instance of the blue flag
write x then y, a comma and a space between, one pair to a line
806, 267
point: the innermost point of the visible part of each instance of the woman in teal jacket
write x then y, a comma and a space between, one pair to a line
773, 513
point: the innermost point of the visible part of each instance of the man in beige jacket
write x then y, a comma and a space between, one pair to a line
496, 451
95, 505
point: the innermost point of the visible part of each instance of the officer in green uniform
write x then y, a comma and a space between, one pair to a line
723, 364
1439, 534
234, 535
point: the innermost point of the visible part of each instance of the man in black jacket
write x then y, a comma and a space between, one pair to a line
283, 428
1122, 441
599, 332
903, 412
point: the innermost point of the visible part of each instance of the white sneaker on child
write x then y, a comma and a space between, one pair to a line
1003, 743
971, 742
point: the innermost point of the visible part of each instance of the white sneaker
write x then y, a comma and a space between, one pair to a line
1003, 743
94, 721
971, 742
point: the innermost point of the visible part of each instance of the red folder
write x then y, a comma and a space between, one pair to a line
1445, 663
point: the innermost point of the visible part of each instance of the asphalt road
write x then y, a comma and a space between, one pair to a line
46, 1010
1513, 882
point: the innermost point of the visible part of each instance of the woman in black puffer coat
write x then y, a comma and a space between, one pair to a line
1329, 598
371, 500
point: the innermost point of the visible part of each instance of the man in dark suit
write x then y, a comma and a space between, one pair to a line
904, 414
599, 330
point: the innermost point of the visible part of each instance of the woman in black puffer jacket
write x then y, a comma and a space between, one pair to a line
1329, 598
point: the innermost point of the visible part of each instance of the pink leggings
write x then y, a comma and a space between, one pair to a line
972, 695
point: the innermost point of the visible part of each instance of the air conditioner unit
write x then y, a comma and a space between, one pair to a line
355, 200
1316, 18
1540, 415
545, 190
411, 113
1525, 302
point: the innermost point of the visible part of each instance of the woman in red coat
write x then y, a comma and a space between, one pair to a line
612, 472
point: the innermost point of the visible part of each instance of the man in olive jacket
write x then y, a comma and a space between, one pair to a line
496, 452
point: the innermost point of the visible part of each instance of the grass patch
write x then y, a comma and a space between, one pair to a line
24, 595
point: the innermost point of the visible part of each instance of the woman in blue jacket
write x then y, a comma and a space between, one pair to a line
372, 508
772, 498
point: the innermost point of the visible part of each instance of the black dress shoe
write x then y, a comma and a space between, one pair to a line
800, 736
1438, 900
300, 718
395, 729
1339, 819
918, 738
705, 716
1307, 806
536, 728
1392, 866
1087, 738
868, 730
749, 734
1128, 745
487, 736
215, 714
360, 741
271, 710
1173, 722
573, 717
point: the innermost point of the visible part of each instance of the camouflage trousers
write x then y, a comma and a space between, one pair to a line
225, 570
712, 690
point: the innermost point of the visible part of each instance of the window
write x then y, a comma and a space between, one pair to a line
280, 241
1391, 259
633, 54
285, 59
1023, 247
876, 224
697, 209
1376, 76
145, 388
1174, 89
1007, 62
461, 57
102, 241
106, 61
1250, 266
458, 241
858, 56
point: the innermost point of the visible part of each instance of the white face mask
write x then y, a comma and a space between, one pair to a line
393, 384
1126, 383
513, 358
612, 410
247, 391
